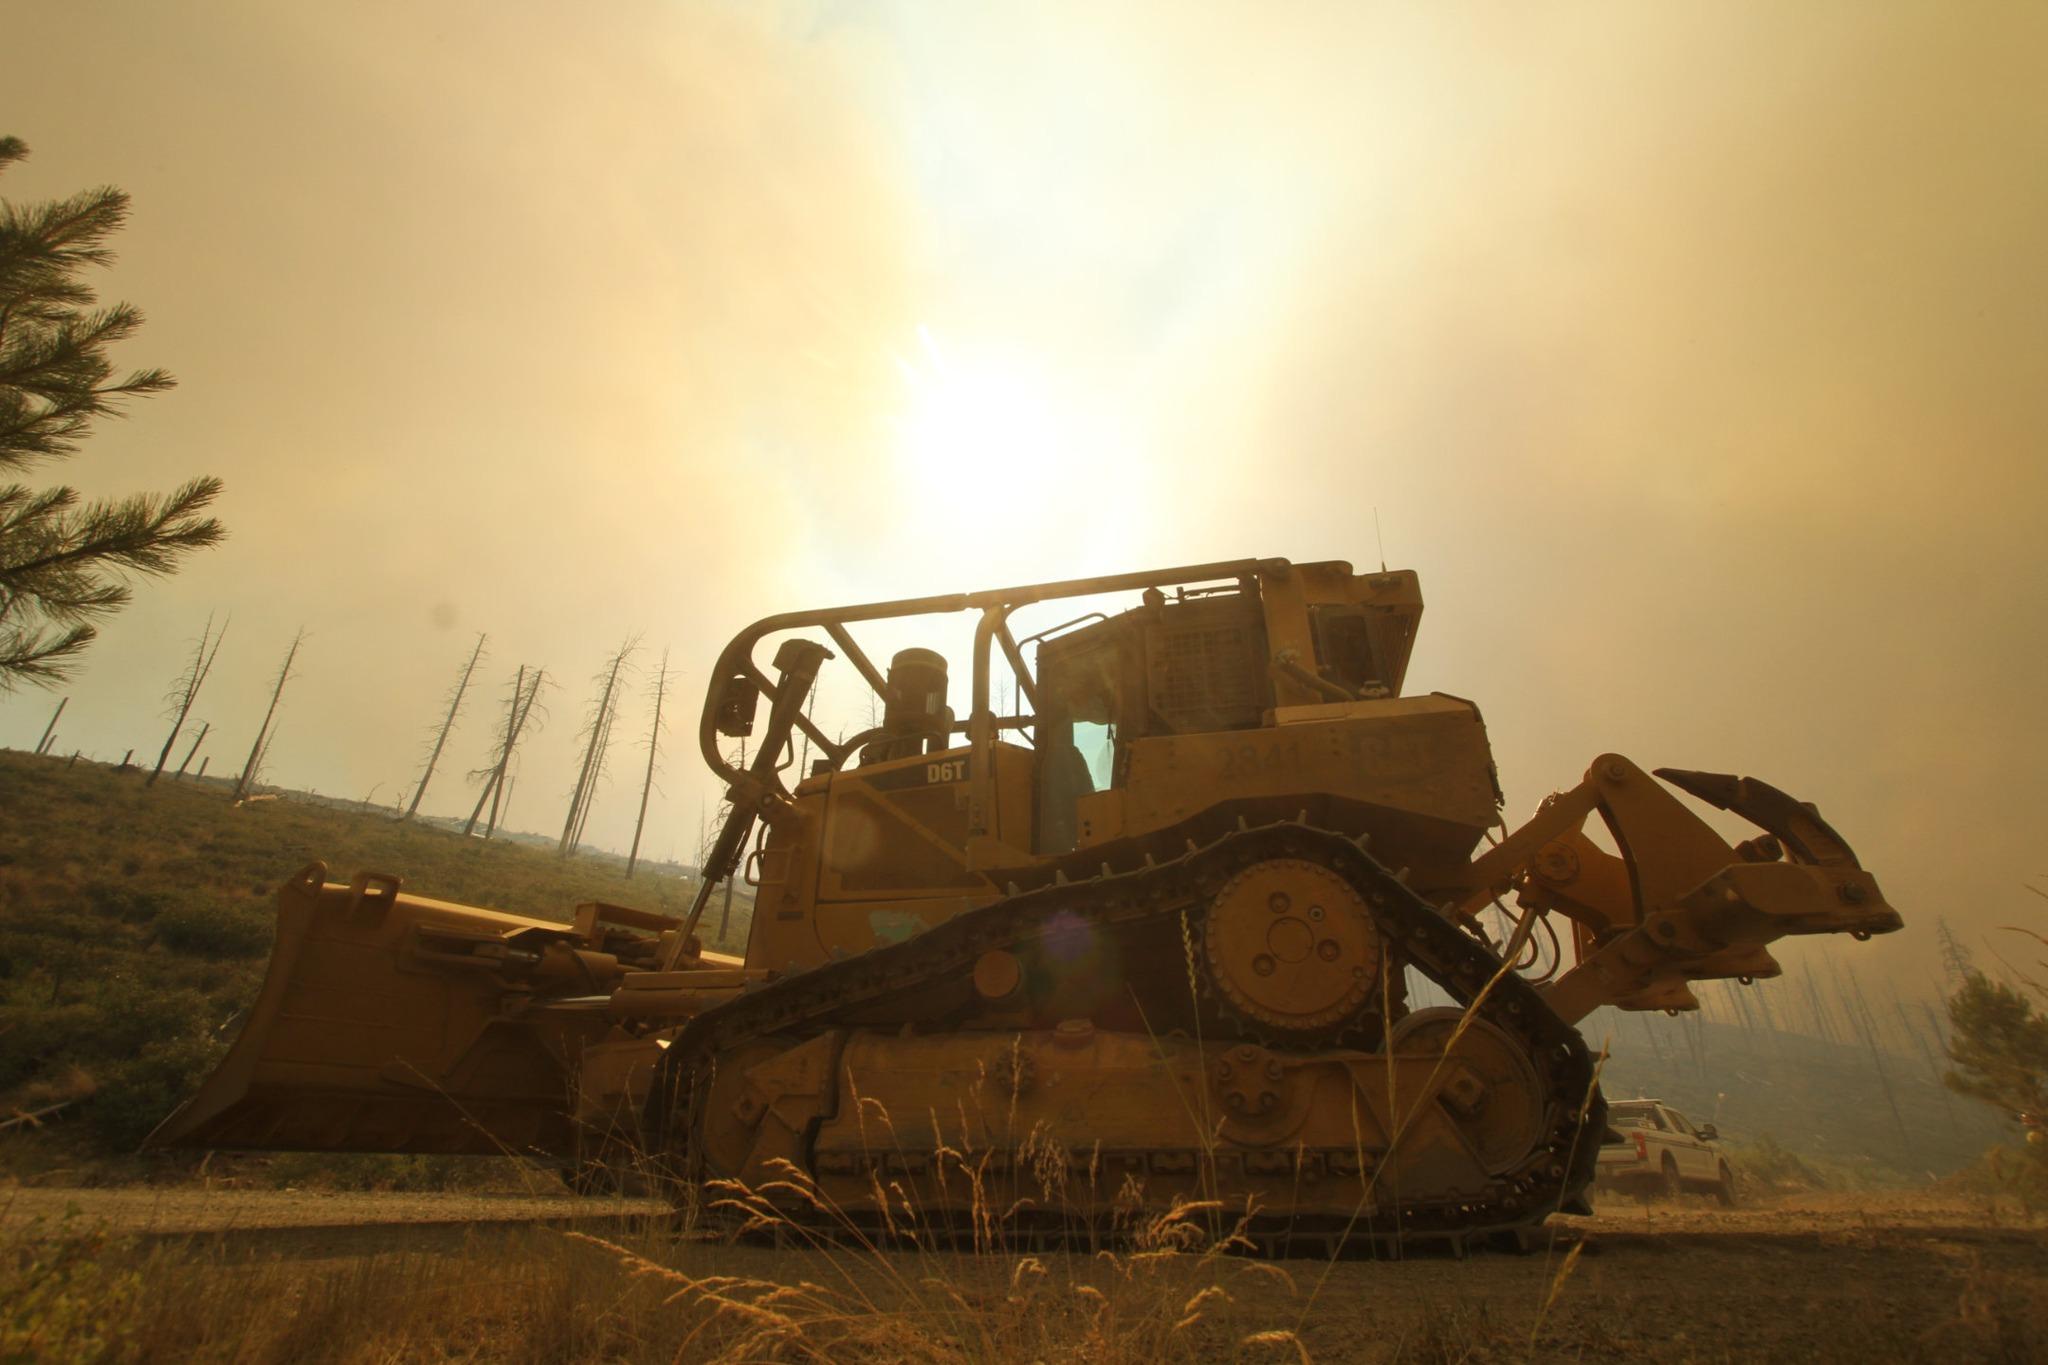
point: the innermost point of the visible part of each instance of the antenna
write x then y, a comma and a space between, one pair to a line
1380, 538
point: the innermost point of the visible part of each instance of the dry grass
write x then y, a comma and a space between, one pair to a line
643, 1295
640, 1292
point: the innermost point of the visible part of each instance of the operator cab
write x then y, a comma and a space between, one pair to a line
1199, 662
1193, 664
1230, 681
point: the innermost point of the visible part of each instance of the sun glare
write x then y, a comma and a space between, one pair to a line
980, 431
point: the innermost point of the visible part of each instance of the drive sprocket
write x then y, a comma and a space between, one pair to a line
1289, 948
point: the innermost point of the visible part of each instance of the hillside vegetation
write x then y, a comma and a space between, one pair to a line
135, 922
1857, 1117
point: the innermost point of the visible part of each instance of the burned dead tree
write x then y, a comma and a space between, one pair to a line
447, 724
661, 681
597, 729
51, 728
524, 694
284, 674
604, 749
185, 691
179, 775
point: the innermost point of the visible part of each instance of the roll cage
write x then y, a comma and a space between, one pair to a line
732, 702
740, 681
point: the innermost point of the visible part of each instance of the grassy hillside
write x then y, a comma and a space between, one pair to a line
135, 922
1859, 1118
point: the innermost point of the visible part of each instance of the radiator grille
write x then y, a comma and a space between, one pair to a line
1209, 678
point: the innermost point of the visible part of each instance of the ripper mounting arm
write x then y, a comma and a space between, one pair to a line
1679, 904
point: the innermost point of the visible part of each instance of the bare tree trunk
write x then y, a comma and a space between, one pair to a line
600, 731
284, 674
1774, 1034
186, 689
505, 776
1871, 1037
501, 777
653, 747
202, 768
51, 728
1821, 1023
179, 775
504, 747
1927, 1054
604, 747
447, 724
498, 791
263, 759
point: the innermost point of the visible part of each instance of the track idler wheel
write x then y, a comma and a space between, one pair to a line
1486, 1081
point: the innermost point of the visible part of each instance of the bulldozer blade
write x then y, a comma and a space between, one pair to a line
384, 1024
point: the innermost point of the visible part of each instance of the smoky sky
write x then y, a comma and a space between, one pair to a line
1693, 354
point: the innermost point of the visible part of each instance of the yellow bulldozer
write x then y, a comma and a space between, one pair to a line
1212, 915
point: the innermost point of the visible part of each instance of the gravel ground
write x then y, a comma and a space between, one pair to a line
1819, 1278
155, 1210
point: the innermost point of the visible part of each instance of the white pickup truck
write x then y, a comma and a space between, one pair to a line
1650, 1149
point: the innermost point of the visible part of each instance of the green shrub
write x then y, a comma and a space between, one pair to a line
130, 904
67, 1296
213, 931
139, 1093
2016, 1172
135, 1012
38, 1034
382, 1171
1765, 1164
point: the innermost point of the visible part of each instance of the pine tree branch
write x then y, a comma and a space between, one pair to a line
38, 657
60, 563
139, 534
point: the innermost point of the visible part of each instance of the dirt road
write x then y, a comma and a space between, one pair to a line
1821, 1278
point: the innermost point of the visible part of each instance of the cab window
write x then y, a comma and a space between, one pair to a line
1076, 734
1096, 741
1348, 648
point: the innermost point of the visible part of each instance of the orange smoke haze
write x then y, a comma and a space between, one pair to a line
1694, 355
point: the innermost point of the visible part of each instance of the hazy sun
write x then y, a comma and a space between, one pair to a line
985, 430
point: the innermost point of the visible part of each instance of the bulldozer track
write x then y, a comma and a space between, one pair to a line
1150, 890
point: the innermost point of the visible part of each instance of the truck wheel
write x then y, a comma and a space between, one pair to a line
1673, 1186
1724, 1189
